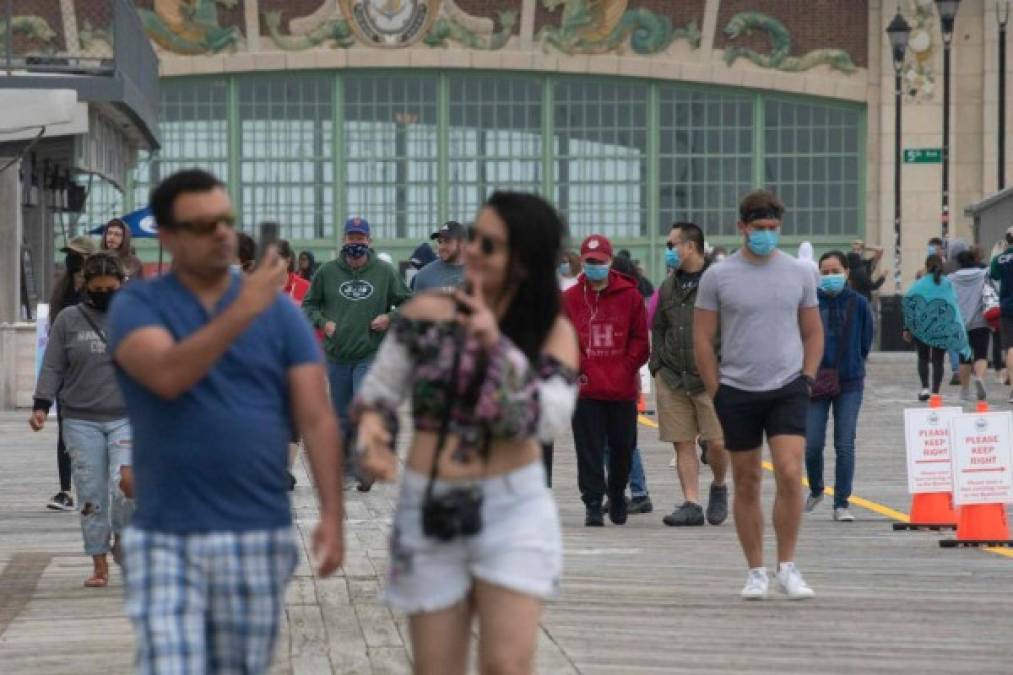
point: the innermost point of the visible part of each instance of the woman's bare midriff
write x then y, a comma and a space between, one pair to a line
504, 456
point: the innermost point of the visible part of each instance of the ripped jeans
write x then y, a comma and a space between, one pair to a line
97, 451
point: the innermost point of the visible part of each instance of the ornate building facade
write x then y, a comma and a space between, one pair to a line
628, 114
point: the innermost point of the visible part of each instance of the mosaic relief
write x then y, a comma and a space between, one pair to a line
600, 26
193, 26
779, 56
918, 74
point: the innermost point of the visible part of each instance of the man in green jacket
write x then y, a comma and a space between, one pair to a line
685, 411
351, 300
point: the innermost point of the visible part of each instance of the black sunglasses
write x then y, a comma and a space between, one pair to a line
206, 227
486, 244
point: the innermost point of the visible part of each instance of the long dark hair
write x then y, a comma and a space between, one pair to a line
536, 235
934, 266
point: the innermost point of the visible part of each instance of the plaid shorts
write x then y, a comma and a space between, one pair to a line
208, 602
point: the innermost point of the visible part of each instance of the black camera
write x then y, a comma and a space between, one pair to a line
457, 513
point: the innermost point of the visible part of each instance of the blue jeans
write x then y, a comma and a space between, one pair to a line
846, 406
954, 361
97, 451
345, 380
638, 481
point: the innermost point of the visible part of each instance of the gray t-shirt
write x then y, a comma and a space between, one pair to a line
438, 275
758, 304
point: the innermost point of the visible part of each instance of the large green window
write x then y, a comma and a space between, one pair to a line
811, 161
622, 157
495, 139
391, 153
705, 157
600, 145
285, 139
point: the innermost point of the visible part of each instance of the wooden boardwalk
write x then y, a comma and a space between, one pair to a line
644, 598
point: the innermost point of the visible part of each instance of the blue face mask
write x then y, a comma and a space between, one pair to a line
932, 250
832, 284
564, 269
354, 250
763, 242
672, 258
596, 272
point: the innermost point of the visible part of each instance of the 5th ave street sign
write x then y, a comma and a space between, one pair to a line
923, 156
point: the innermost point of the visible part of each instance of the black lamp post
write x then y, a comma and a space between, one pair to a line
1003, 18
947, 14
898, 31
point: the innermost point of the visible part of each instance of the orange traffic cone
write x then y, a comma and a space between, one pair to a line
931, 510
981, 524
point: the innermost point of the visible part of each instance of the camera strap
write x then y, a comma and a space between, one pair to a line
449, 401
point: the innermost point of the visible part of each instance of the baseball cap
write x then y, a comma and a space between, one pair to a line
451, 229
357, 225
83, 245
597, 248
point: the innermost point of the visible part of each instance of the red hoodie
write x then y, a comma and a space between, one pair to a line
612, 331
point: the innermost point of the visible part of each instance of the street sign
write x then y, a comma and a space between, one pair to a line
923, 156
982, 471
927, 432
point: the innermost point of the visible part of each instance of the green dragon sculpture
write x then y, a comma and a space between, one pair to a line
337, 30
600, 26
446, 29
190, 26
744, 23
31, 26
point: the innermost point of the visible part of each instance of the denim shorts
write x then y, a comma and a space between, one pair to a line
519, 547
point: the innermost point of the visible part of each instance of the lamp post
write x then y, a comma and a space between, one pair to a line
947, 14
898, 31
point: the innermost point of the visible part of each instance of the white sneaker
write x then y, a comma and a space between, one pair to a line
965, 395
756, 584
791, 583
844, 515
812, 501
924, 395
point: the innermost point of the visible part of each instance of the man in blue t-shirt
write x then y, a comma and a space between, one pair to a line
1001, 271
215, 368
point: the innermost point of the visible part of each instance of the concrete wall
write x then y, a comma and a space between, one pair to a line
17, 365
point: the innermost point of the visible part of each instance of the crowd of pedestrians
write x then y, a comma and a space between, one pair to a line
183, 405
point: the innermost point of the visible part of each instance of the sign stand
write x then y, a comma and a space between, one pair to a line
927, 438
982, 477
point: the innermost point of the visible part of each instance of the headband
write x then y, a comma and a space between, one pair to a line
765, 213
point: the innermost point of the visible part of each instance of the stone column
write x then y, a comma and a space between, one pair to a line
10, 242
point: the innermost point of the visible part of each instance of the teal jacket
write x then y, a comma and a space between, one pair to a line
352, 298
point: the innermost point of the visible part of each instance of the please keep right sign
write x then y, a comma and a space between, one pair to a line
927, 438
982, 458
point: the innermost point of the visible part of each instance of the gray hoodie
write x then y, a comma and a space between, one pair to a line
968, 283
77, 369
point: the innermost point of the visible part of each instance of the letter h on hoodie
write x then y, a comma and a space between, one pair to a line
612, 330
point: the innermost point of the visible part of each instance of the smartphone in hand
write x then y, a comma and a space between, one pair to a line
269, 235
460, 307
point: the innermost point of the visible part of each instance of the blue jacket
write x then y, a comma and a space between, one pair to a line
858, 341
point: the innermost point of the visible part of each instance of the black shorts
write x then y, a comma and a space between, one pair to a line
1006, 330
746, 415
978, 338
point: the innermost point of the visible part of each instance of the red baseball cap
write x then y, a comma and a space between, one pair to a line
597, 248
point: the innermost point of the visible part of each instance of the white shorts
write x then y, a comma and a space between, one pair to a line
519, 547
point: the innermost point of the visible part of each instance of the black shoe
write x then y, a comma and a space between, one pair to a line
365, 484
618, 510
717, 504
291, 482
593, 517
61, 501
689, 514
639, 505
955, 380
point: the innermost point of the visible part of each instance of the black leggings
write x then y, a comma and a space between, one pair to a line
62, 456
938, 356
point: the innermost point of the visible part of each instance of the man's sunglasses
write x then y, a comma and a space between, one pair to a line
486, 244
206, 226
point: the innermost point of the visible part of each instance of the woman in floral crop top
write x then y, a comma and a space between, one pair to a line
490, 372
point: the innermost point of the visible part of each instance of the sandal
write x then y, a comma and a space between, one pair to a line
95, 581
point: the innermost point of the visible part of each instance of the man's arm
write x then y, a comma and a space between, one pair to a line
639, 344
153, 357
705, 329
811, 328
316, 423
658, 329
